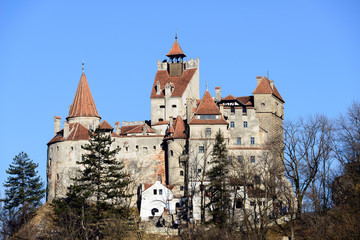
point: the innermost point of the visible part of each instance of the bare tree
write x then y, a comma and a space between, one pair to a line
307, 144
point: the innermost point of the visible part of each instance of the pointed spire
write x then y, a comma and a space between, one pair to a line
83, 68
175, 50
83, 104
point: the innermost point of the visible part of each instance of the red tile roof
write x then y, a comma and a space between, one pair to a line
207, 105
160, 123
248, 100
176, 50
76, 132
57, 117
135, 129
264, 87
229, 97
105, 126
179, 126
83, 104
220, 121
180, 83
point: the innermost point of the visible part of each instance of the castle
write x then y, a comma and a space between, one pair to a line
181, 130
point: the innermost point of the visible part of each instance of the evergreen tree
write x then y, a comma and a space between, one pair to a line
218, 173
101, 187
23, 193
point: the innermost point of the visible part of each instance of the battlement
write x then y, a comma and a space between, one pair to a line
124, 123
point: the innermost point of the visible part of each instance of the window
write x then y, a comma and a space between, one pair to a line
230, 158
154, 147
257, 179
232, 109
239, 203
252, 159
199, 170
181, 173
244, 110
90, 127
72, 148
162, 106
252, 140
171, 153
137, 148
207, 116
238, 141
232, 124
49, 162
245, 124
160, 119
160, 191
127, 149
57, 148
252, 203
208, 131
181, 188
240, 159
155, 191
144, 149
201, 149
173, 106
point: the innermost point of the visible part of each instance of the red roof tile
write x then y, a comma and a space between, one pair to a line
135, 129
220, 121
83, 104
105, 125
207, 105
179, 126
264, 87
160, 123
180, 83
229, 97
76, 132
176, 50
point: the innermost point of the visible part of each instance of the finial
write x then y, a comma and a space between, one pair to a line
268, 74
176, 35
207, 85
83, 68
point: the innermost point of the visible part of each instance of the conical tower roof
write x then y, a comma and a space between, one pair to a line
207, 105
83, 104
175, 50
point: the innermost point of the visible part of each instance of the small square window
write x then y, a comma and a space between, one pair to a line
160, 191
238, 141
252, 140
201, 149
155, 191
239, 203
245, 124
199, 170
252, 159
208, 131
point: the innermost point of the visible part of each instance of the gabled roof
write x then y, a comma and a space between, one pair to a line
76, 132
83, 104
180, 82
176, 50
264, 87
207, 106
124, 130
104, 125
228, 98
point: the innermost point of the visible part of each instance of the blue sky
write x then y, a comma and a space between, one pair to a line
310, 48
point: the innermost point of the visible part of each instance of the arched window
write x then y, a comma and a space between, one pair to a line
245, 124
181, 173
232, 124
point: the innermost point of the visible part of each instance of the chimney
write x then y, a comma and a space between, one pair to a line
117, 128
258, 79
272, 84
144, 129
190, 105
66, 129
171, 120
158, 88
57, 121
218, 94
